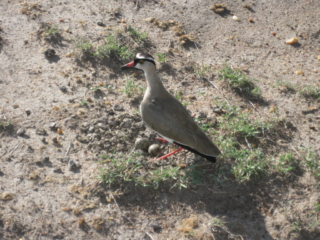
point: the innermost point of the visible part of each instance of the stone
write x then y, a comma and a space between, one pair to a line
118, 108
71, 164
21, 131
41, 131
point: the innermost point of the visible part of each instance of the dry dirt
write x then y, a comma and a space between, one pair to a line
41, 198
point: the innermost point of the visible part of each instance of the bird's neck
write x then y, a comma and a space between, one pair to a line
154, 82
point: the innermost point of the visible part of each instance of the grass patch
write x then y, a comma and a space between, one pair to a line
203, 124
309, 91
83, 102
51, 31
119, 169
161, 57
131, 88
311, 162
218, 222
286, 163
240, 142
85, 48
201, 71
137, 36
4, 124
239, 82
112, 47
179, 95
285, 86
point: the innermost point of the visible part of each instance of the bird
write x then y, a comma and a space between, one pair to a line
164, 114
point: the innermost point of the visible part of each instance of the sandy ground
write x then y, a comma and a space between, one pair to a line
42, 197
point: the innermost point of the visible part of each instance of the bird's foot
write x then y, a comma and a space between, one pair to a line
162, 140
167, 155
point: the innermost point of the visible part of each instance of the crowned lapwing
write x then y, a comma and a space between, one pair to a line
164, 114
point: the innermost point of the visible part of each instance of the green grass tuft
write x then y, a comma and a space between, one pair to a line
131, 88
201, 71
311, 162
240, 140
116, 170
240, 82
286, 163
112, 47
309, 91
51, 31
136, 35
161, 57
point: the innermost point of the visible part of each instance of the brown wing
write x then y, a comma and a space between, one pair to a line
168, 117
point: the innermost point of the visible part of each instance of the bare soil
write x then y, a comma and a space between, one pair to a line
42, 197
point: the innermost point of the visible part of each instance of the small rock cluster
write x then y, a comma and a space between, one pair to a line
113, 131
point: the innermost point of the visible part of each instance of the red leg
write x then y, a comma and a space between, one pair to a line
162, 140
167, 155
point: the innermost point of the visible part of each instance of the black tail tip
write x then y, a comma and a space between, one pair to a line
211, 159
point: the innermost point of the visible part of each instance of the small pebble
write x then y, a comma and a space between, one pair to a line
201, 115
118, 108
63, 89
102, 126
64, 159
15, 106
91, 129
30, 149
156, 227
100, 23
21, 131
235, 18
41, 131
28, 112
217, 109
49, 52
142, 143
45, 160
52, 125
71, 164
292, 41
154, 150
57, 170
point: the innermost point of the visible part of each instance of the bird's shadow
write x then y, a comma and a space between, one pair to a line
223, 198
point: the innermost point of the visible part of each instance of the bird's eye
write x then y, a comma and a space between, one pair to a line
141, 61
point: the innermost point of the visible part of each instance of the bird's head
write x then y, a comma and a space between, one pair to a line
141, 61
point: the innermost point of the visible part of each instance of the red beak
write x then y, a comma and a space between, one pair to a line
129, 65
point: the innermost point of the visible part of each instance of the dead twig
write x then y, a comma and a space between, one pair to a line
296, 150
70, 145
219, 91
12, 151
249, 145
255, 108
